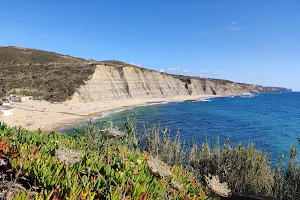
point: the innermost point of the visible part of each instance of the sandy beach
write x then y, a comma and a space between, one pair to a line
35, 114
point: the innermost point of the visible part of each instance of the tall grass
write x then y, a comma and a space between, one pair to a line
159, 144
246, 169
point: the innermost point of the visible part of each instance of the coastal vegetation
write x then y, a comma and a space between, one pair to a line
247, 170
89, 165
98, 163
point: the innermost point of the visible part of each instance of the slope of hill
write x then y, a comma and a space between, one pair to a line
56, 77
44, 75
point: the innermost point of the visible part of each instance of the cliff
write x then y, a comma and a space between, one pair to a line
56, 77
124, 82
278, 89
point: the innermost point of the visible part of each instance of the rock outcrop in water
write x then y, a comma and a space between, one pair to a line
56, 77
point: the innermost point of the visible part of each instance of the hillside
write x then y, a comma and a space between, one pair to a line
44, 75
56, 77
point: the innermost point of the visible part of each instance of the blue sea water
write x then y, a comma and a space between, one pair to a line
272, 121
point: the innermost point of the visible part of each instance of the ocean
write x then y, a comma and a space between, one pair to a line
271, 120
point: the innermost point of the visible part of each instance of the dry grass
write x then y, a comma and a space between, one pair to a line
216, 186
246, 170
160, 144
67, 156
158, 168
9, 188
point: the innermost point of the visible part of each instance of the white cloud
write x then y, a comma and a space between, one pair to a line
232, 26
203, 73
181, 71
235, 26
175, 71
136, 64
214, 73
206, 73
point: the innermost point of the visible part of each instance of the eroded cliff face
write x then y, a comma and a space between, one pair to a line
129, 82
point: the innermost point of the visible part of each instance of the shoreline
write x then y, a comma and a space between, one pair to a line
102, 114
49, 117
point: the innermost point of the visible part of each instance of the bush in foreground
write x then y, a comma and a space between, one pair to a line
247, 170
92, 165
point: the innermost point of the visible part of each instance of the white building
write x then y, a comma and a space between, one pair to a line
7, 112
19, 98
26, 98
5, 104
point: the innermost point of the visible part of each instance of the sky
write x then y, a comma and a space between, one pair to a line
255, 41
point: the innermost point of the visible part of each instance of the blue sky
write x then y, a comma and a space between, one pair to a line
255, 41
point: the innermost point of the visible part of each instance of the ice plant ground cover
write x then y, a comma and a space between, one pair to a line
36, 165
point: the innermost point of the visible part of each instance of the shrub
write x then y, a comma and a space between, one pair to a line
104, 169
247, 170
160, 144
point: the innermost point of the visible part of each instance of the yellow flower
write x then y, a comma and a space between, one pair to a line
138, 162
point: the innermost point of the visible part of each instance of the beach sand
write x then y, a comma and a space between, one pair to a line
35, 114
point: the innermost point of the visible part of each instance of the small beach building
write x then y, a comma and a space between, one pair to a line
26, 98
14, 98
19, 98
